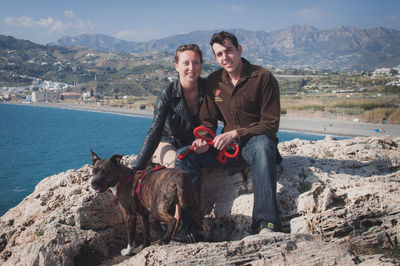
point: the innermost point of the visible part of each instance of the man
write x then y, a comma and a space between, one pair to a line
246, 98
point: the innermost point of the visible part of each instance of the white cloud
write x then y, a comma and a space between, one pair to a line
392, 18
127, 34
69, 13
84, 25
138, 35
21, 21
52, 25
236, 8
309, 13
49, 25
46, 22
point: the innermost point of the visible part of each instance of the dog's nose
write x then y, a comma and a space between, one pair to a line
95, 186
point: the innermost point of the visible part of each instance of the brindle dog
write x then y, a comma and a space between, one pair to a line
162, 193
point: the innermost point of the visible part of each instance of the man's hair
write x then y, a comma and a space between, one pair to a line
185, 47
221, 36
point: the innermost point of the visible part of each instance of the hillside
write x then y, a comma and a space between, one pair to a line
302, 46
101, 71
24, 66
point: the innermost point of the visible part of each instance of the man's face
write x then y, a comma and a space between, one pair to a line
227, 56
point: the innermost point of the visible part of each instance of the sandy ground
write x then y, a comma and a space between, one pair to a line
337, 127
299, 124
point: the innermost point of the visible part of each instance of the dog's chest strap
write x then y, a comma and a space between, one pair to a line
139, 185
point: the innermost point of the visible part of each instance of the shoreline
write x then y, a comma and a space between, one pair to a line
298, 124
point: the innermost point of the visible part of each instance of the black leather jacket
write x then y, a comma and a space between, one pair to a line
172, 122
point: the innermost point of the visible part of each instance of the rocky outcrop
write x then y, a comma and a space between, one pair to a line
339, 202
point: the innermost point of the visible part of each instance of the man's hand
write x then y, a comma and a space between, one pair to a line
222, 140
200, 146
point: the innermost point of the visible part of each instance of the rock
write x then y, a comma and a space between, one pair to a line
339, 203
62, 216
272, 249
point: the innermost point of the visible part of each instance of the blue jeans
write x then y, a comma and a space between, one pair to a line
259, 152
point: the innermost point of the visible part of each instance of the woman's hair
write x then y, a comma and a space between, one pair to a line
221, 36
192, 47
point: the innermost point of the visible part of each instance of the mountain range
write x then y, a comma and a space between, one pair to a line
302, 46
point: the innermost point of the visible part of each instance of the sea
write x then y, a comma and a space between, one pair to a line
37, 142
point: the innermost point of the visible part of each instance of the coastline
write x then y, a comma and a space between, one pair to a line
298, 124
338, 127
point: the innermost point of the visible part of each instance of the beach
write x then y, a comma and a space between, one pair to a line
338, 128
300, 124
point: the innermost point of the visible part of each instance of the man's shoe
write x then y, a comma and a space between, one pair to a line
265, 231
194, 237
265, 227
188, 236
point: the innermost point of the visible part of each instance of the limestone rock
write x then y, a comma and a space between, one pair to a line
333, 196
58, 220
271, 249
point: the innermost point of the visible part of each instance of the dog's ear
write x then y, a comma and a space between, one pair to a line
116, 158
95, 157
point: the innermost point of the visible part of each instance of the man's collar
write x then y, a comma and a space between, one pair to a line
244, 73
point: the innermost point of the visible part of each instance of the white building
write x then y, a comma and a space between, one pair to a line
43, 96
381, 72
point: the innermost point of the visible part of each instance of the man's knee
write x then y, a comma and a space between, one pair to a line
261, 146
260, 150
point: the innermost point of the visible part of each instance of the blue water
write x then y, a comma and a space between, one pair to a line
36, 142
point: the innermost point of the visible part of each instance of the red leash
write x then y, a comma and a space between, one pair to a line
222, 155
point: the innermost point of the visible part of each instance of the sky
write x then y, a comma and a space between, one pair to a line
45, 21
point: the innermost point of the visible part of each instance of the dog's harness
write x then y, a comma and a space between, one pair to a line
222, 155
138, 198
138, 186
144, 173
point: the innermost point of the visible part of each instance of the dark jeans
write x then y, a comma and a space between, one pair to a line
260, 153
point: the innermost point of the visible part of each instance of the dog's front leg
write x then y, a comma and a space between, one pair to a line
146, 231
130, 221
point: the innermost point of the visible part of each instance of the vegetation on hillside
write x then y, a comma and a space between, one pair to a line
115, 75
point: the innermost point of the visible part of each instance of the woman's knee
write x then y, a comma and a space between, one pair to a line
165, 154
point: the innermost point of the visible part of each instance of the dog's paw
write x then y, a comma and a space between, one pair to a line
144, 245
128, 250
163, 242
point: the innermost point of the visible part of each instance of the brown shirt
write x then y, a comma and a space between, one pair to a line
252, 107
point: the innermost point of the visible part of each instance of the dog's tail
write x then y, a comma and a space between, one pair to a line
207, 230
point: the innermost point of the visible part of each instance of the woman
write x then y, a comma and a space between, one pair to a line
176, 110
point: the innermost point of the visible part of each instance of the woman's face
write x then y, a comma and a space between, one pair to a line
188, 66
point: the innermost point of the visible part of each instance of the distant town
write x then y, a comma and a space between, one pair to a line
51, 91
94, 79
